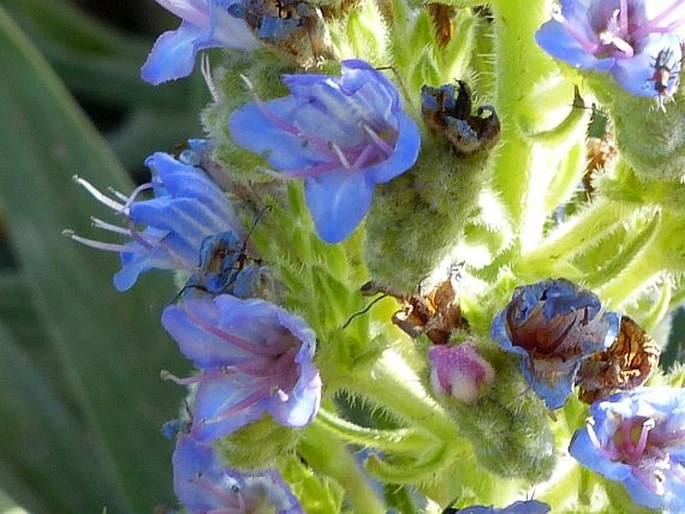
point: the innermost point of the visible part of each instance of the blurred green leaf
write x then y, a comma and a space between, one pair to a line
48, 462
111, 346
92, 58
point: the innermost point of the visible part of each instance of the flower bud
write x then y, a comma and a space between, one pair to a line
459, 371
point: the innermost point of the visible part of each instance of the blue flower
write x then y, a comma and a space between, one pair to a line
343, 135
206, 24
623, 37
638, 438
521, 507
187, 207
553, 325
204, 484
254, 358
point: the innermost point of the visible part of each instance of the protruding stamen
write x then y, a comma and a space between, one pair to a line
167, 375
98, 223
243, 344
207, 75
98, 245
95, 193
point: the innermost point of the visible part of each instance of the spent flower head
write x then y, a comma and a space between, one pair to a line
205, 24
204, 484
254, 358
187, 207
343, 135
627, 38
638, 438
553, 325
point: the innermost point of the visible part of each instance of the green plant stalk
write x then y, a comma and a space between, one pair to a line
520, 64
393, 384
553, 255
329, 456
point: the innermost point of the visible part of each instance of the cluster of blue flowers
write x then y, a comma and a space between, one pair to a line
344, 135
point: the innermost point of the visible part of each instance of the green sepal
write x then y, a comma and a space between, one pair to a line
259, 445
651, 140
508, 426
263, 69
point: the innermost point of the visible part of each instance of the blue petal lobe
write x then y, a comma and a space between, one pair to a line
338, 202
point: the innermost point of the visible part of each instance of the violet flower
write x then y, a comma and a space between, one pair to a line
187, 207
553, 325
638, 438
343, 135
623, 37
205, 24
254, 358
204, 484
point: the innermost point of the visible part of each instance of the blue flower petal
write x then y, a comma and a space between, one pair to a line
338, 202
225, 405
406, 152
553, 38
635, 75
173, 54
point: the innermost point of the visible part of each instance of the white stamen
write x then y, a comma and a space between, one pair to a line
119, 195
207, 74
98, 223
98, 245
95, 193
134, 194
272, 173
340, 155
247, 81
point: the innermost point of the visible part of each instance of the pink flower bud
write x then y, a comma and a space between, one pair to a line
459, 371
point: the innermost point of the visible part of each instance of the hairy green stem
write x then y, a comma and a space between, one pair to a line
393, 384
329, 456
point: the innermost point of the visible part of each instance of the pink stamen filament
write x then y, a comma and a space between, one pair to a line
650, 27
584, 42
363, 157
134, 194
330, 149
321, 144
244, 344
256, 396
